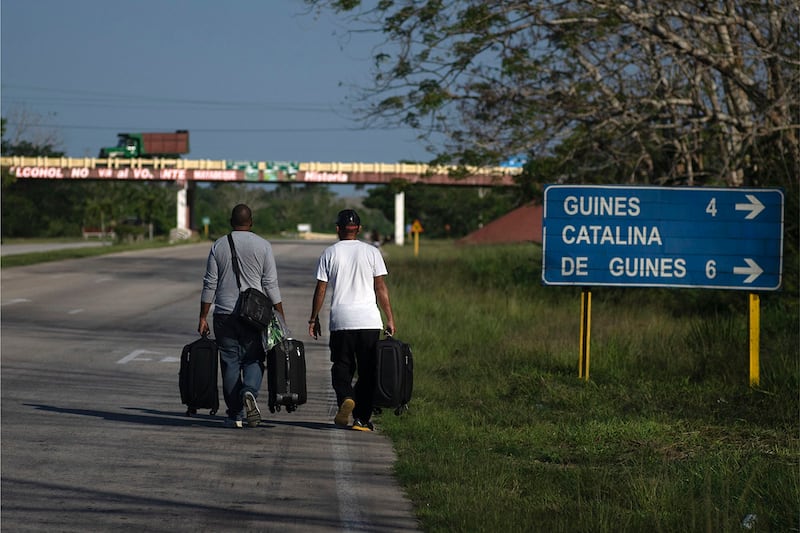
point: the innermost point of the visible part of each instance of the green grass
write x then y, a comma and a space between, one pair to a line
666, 435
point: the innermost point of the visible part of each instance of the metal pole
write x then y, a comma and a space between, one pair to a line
754, 329
586, 326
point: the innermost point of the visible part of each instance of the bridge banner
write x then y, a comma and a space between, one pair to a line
249, 175
157, 174
183, 170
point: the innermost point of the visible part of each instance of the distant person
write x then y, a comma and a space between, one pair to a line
376, 238
355, 271
240, 345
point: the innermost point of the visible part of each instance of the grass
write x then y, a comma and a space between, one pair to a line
667, 435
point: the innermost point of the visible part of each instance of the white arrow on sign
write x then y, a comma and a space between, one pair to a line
752, 269
755, 207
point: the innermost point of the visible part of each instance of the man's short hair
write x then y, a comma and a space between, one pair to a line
241, 215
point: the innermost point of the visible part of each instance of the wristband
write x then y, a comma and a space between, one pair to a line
312, 321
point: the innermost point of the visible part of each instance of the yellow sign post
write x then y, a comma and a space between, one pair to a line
585, 331
755, 326
416, 229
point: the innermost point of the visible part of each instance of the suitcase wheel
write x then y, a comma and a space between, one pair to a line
213, 412
190, 411
400, 410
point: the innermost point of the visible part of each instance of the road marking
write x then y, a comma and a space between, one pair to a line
75, 311
103, 280
349, 514
170, 360
16, 301
134, 356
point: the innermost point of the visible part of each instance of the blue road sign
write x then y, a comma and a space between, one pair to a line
663, 237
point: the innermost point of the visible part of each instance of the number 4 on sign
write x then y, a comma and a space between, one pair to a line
711, 208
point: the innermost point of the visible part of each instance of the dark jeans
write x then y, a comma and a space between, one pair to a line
241, 356
354, 350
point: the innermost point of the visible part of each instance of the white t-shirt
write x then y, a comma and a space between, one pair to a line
350, 267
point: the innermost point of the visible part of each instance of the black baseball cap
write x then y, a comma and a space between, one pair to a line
347, 217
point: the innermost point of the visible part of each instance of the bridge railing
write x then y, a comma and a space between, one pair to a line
213, 164
114, 162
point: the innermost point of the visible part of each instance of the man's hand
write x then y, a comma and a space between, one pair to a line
314, 328
202, 327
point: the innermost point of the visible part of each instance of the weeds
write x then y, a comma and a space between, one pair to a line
667, 435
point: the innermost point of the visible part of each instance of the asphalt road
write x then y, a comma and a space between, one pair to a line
13, 249
94, 436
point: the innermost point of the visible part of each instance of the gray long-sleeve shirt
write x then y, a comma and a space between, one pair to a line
257, 266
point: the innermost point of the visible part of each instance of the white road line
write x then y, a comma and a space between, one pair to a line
134, 356
75, 311
16, 301
349, 514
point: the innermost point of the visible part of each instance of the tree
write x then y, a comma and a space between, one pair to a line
695, 92
446, 211
32, 207
27, 136
59, 208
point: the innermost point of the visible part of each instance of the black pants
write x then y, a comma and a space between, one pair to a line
353, 350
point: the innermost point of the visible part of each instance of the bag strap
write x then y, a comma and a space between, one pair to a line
235, 261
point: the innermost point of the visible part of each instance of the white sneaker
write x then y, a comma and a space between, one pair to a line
232, 423
252, 413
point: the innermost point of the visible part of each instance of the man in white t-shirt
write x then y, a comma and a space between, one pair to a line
355, 272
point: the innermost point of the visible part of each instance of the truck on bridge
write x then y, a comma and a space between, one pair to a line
168, 145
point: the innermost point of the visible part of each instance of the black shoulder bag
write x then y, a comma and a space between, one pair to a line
253, 306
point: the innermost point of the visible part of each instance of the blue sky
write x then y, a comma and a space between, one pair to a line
253, 80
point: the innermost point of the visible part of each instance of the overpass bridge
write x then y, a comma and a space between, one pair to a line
186, 172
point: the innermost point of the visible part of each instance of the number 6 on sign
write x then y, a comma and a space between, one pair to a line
711, 269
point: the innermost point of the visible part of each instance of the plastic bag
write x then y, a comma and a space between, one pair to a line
276, 331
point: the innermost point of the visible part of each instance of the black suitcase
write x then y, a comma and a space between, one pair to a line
197, 378
394, 375
286, 375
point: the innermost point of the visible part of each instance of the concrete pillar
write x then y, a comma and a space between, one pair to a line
399, 218
183, 206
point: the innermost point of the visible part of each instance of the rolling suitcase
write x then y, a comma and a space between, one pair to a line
286, 375
197, 378
394, 375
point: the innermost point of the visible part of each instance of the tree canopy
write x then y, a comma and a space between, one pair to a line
660, 92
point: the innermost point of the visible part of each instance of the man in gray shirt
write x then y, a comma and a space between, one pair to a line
240, 347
